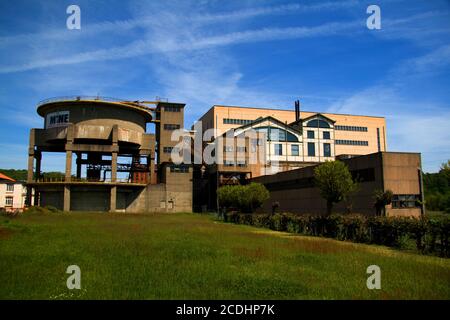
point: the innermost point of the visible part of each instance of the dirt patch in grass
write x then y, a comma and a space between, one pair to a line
5, 233
251, 253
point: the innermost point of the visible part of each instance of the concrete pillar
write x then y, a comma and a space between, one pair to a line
114, 167
113, 200
79, 157
66, 198
36, 197
68, 165
38, 157
30, 174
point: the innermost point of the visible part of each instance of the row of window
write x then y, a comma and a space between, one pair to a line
326, 135
236, 121
295, 149
172, 108
230, 149
352, 142
228, 163
169, 126
405, 201
350, 128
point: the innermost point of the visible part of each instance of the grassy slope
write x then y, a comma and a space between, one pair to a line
187, 256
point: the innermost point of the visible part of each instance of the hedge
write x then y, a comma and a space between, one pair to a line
427, 235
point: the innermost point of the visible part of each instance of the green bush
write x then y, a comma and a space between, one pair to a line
427, 235
245, 198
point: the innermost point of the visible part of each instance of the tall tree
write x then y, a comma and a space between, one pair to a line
334, 182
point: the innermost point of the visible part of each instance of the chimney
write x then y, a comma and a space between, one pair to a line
297, 110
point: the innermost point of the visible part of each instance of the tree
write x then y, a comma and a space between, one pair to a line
334, 182
254, 196
382, 199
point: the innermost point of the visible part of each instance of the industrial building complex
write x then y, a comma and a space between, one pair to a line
136, 156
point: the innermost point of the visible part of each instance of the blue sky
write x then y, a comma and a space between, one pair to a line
250, 53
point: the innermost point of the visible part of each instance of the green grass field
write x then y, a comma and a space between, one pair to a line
190, 256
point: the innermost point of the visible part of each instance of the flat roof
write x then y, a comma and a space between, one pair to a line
289, 110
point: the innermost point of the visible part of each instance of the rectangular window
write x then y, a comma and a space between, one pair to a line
172, 109
236, 121
278, 149
326, 150
228, 163
352, 142
350, 128
402, 201
9, 201
169, 149
310, 134
311, 149
10, 188
241, 149
169, 126
241, 164
227, 148
326, 135
179, 168
294, 150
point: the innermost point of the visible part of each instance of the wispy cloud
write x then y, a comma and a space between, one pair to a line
144, 47
119, 26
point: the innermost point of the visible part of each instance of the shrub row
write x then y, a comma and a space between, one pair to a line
427, 235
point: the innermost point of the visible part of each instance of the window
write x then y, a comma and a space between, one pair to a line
227, 148
236, 121
294, 150
172, 109
318, 123
352, 142
326, 135
8, 201
10, 188
350, 128
169, 126
169, 149
402, 201
278, 149
310, 134
179, 168
311, 149
241, 149
277, 134
228, 163
241, 164
326, 150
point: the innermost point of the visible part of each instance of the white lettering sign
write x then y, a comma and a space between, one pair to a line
57, 119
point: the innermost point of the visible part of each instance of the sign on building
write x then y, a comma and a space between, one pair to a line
57, 119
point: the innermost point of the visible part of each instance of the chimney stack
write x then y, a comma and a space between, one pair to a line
297, 110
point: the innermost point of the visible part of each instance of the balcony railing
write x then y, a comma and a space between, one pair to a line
92, 98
